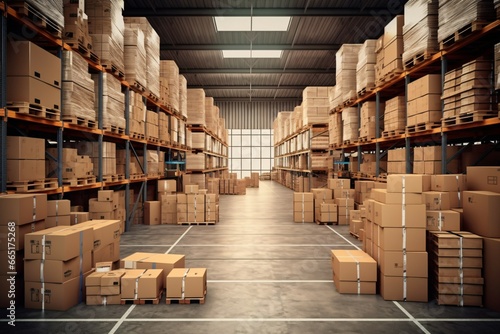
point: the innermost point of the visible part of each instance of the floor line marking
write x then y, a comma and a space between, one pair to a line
270, 281
246, 245
122, 319
340, 235
415, 321
180, 238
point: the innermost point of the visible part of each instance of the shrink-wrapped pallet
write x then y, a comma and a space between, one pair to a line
183, 95
169, 76
345, 72
315, 105
135, 56
365, 68
113, 101
196, 106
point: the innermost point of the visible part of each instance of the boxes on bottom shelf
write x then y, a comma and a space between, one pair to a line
187, 283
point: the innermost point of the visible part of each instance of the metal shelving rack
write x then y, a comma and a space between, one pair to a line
58, 130
221, 156
462, 51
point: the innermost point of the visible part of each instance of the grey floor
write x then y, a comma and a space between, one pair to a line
266, 275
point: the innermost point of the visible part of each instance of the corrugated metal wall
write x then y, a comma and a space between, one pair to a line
252, 115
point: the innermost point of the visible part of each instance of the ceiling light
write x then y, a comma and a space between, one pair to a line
247, 23
252, 54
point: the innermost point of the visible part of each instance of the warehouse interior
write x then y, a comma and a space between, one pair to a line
250, 166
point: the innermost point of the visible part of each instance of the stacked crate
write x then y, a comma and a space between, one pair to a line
135, 56
365, 68
335, 129
76, 26
389, 52
455, 262
183, 95
350, 125
113, 102
169, 77
419, 31
137, 115
345, 72
303, 207
152, 49
107, 28
315, 107
77, 88
456, 18
367, 125
196, 106
424, 103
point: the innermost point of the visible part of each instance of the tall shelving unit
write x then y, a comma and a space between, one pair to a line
294, 155
58, 131
464, 50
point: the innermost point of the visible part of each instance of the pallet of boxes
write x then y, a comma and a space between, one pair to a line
196, 207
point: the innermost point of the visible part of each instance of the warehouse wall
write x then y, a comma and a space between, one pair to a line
250, 134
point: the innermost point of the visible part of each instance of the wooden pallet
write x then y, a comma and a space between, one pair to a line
80, 121
196, 223
137, 176
114, 129
152, 96
366, 90
154, 301
393, 133
113, 178
34, 110
354, 234
153, 139
84, 49
325, 223
348, 142
24, 9
470, 117
462, 33
389, 76
113, 69
200, 300
32, 186
79, 182
138, 86
419, 58
422, 127
137, 135
349, 101
365, 139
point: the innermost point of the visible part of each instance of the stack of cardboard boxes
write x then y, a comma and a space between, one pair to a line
25, 159
356, 222
183, 96
134, 56
104, 288
427, 160
152, 132
78, 94
107, 29
104, 206
389, 51
58, 213
365, 68
33, 76
354, 272
196, 106
76, 24
394, 116
322, 196
303, 207
75, 167
350, 125
343, 197
137, 114
163, 134
335, 128
345, 72
367, 124
113, 100
168, 201
91, 149
184, 284
396, 161
315, 106
195, 206
424, 102
169, 77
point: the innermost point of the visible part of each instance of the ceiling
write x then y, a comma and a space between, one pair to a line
317, 29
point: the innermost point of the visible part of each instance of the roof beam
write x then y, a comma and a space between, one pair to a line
270, 87
257, 99
151, 12
257, 71
212, 47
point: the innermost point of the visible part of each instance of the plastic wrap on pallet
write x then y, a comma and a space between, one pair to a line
335, 129
346, 62
395, 114
46, 9
365, 68
183, 95
135, 55
350, 125
169, 76
113, 100
78, 101
420, 28
75, 69
367, 119
455, 14
196, 106
315, 106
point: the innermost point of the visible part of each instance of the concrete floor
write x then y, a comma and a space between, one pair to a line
266, 275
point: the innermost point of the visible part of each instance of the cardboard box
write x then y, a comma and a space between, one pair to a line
167, 262
78, 217
391, 239
129, 283
413, 183
150, 284
103, 300
96, 206
481, 212
187, 283
58, 208
109, 252
56, 296
25, 170
25, 148
55, 271
392, 263
491, 274
105, 232
448, 182
167, 186
94, 279
105, 195
59, 243
17, 208
152, 213
303, 216
393, 288
445, 220
483, 178
191, 189
20, 231
57, 221
31, 90
391, 215
353, 265
339, 183
436, 200
111, 278
456, 240
381, 195
358, 288
102, 215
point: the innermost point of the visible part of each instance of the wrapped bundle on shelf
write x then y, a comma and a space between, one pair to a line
77, 88
210, 117
365, 68
394, 117
298, 121
389, 52
51, 10
107, 28
424, 103
196, 106
183, 95
350, 125
461, 17
335, 129
174, 129
76, 27
451, 93
137, 115
367, 129
280, 124
396, 161
135, 56
91, 149
152, 49
315, 106
345, 72
153, 162
152, 132
113, 102
169, 77
163, 133
427, 160
419, 31
182, 132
